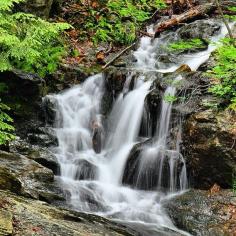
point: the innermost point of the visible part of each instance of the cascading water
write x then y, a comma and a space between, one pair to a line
93, 181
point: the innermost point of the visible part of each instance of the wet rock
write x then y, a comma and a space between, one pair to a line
24, 176
35, 217
152, 105
6, 227
50, 109
202, 29
39, 154
46, 158
114, 83
204, 212
143, 166
97, 137
115, 79
42, 137
209, 141
86, 170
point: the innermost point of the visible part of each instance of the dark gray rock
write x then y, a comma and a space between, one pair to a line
86, 170
204, 213
26, 177
37, 153
202, 29
210, 150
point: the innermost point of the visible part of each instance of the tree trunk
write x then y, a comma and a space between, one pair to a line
188, 15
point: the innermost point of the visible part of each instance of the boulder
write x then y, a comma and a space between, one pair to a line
33, 217
42, 155
144, 165
50, 109
26, 177
86, 170
204, 212
210, 149
202, 29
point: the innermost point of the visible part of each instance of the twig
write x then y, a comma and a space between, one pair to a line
118, 55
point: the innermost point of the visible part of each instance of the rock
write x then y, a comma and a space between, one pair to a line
97, 137
86, 170
209, 141
114, 83
50, 109
153, 103
37, 153
143, 166
40, 8
26, 177
33, 217
202, 29
202, 213
46, 158
115, 79
6, 227
23, 96
43, 136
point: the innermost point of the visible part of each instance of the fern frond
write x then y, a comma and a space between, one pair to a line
6, 5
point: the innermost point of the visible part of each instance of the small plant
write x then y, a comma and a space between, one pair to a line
224, 73
6, 128
28, 42
170, 98
234, 186
181, 46
231, 17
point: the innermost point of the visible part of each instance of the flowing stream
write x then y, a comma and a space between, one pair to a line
93, 181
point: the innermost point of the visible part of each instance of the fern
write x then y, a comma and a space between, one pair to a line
6, 5
28, 42
6, 129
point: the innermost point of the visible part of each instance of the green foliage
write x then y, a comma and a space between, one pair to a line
181, 45
28, 42
6, 129
234, 185
6, 5
224, 73
121, 20
231, 17
170, 98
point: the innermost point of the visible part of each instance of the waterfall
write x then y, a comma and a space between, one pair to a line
92, 180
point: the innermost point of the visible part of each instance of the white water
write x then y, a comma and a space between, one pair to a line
93, 181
